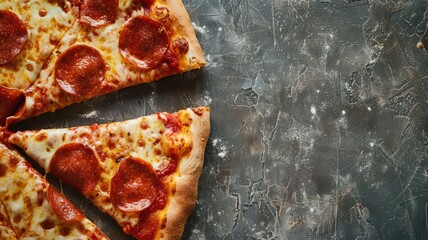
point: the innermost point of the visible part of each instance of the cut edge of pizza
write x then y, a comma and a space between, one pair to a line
145, 41
143, 172
32, 208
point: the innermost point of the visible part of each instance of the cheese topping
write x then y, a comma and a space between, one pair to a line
23, 193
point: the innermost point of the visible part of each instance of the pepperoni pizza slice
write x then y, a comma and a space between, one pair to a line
30, 208
143, 172
115, 44
29, 32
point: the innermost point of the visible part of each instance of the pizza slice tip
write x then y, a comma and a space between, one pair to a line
30, 208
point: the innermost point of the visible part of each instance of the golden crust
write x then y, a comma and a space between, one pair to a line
185, 29
186, 180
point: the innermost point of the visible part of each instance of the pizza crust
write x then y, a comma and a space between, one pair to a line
187, 178
185, 29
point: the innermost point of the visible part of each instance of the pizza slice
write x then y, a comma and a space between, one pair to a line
29, 32
122, 44
143, 172
30, 208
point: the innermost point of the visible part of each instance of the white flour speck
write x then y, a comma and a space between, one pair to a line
91, 114
222, 154
313, 110
202, 29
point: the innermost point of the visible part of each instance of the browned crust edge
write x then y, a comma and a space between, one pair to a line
184, 199
185, 29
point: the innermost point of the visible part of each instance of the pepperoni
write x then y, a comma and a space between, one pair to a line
146, 3
97, 13
10, 100
77, 165
62, 206
170, 168
135, 186
146, 227
80, 70
13, 36
171, 122
143, 42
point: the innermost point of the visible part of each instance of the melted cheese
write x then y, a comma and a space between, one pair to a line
23, 191
146, 138
46, 24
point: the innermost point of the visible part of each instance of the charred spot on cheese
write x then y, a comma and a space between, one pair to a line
13, 161
164, 221
119, 159
53, 40
64, 231
161, 13
198, 111
3, 170
29, 67
111, 144
17, 218
144, 125
80, 70
61, 3
40, 197
141, 143
43, 12
27, 202
47, 224
41, 137
77, 165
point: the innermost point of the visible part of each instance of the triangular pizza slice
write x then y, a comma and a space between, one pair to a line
118, 45
30, 208
143, 172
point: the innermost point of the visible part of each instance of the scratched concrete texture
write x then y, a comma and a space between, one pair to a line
319, 120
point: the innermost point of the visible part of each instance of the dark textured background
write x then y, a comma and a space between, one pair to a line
319, 119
